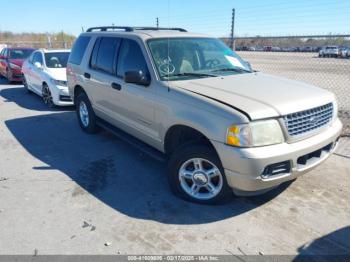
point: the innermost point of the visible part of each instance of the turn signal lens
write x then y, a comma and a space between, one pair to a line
238, 135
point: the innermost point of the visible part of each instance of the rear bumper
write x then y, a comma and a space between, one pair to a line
244, 166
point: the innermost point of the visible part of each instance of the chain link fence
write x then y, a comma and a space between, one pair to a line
47, 45
293, 57
299, 59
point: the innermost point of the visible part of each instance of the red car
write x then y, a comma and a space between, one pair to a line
11, 60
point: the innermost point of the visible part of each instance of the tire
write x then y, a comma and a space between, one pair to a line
47, 96
86, 115
180, 163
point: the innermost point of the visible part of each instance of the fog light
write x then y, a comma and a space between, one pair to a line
276, 169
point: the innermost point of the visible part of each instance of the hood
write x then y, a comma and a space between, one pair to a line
58, 73
18, 62
259, 95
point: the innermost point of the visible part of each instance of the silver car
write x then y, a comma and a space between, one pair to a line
189, 99
329, 51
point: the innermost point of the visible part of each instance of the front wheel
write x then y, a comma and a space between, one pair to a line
86, 115
195, 174
47, 96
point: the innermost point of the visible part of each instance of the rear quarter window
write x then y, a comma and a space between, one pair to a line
78, 49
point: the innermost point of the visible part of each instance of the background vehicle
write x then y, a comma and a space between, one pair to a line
268, 48
329, 51
11, 60
345, 52
192, 99
44, 73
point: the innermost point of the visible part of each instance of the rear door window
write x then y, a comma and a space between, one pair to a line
104, 54
131, 58
78, 50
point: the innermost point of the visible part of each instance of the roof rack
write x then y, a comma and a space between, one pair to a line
131, 29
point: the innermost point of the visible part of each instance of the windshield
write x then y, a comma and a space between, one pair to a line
20, 53
183, 58
57, 59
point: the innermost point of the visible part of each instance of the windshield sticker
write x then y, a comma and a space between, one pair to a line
234, 61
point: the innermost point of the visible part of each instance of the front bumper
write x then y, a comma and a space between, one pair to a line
15, 75
244, 166
60, 96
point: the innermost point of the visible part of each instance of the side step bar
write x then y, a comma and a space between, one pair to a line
143, 147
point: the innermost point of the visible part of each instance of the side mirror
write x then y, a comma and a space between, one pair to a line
38, 65
137, 77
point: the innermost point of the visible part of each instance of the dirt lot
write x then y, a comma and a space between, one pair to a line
65, 192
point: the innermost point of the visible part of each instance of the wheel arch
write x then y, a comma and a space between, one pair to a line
180, 134
78, 89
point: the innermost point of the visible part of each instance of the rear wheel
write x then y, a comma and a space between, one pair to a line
86, 115
47, 97
195, 174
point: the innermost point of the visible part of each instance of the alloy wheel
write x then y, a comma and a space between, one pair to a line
47, 97
84, 114
200, 179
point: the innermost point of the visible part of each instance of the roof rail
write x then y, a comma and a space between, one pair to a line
105, 28
131, 29
160, 28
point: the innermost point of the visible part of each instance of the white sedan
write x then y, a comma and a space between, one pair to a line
44, 73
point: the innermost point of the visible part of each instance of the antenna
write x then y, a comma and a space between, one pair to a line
232, 42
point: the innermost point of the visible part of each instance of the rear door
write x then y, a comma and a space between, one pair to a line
101, 73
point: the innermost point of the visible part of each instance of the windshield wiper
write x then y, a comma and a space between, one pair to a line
192, 74
240, 70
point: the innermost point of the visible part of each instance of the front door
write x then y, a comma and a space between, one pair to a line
137, 100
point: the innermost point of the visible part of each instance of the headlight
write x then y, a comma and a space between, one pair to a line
58, 82
259, 133
13, 66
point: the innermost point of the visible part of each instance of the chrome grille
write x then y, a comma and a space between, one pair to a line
306, 121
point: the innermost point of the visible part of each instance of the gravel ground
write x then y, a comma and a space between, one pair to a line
66, 192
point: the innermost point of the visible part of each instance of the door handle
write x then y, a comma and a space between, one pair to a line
87, 75
116, 86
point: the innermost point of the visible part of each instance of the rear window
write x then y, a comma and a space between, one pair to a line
79, 49
56, 60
